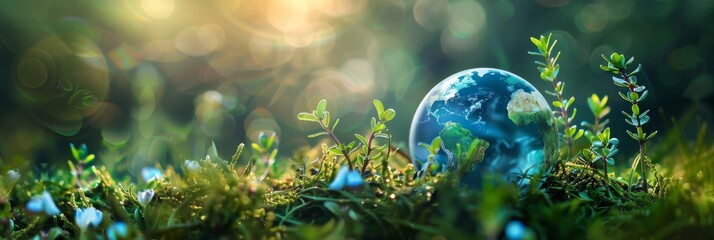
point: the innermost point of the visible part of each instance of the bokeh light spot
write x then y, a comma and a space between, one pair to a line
287, 15
700, 88
32, 72
200, 40
158, 9
431, 14
592, 18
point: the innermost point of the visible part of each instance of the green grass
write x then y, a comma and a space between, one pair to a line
223, 199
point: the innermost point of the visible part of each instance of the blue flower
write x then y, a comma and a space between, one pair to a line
145, 197
515, 230
346, 179
118, 230
43, 203
84, 217
151, 173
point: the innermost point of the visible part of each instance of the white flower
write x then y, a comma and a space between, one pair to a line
208, 158
43, 203
151, 173
84, 217
192, 166
12, 176
145, 197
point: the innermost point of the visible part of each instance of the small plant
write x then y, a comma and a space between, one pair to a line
599, 109
603, 149
431, 164
549, 72
635, 94
366, 144
264, 148
82, 157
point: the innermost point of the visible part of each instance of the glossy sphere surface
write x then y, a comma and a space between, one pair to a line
495, 106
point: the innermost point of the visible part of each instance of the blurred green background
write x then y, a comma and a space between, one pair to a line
155, 81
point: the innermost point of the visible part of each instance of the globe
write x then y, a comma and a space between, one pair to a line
492, 120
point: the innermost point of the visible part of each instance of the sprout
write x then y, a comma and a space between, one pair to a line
84, 217
145, 197
43, 203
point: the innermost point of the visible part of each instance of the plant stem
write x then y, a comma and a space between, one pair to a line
641, 141
337, 141
564, 114
643, 162
369, 151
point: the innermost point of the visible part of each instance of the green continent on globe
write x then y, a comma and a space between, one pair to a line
526, 108
467, 149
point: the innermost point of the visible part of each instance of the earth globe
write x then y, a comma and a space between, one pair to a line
491, 119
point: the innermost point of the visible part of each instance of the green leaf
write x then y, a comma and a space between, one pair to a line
557, 104
606, 60
75, 152
321, 106
632, 135
570, 102
361, 139
579, 134
435, 145
334, 126
651, 135
644, 95
617, 59
637, 70
536, 42
635, 110
380, 108
314, 135
326, 118
634, 96
388, 115
213, 152
584, 196
334, 150
257, 147
534, 53
89, 158
379, 127
303, 116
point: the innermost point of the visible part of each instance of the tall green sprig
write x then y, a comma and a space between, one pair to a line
549, 72
599, 109
635, 93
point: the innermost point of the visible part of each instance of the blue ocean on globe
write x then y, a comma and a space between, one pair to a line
490, 110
